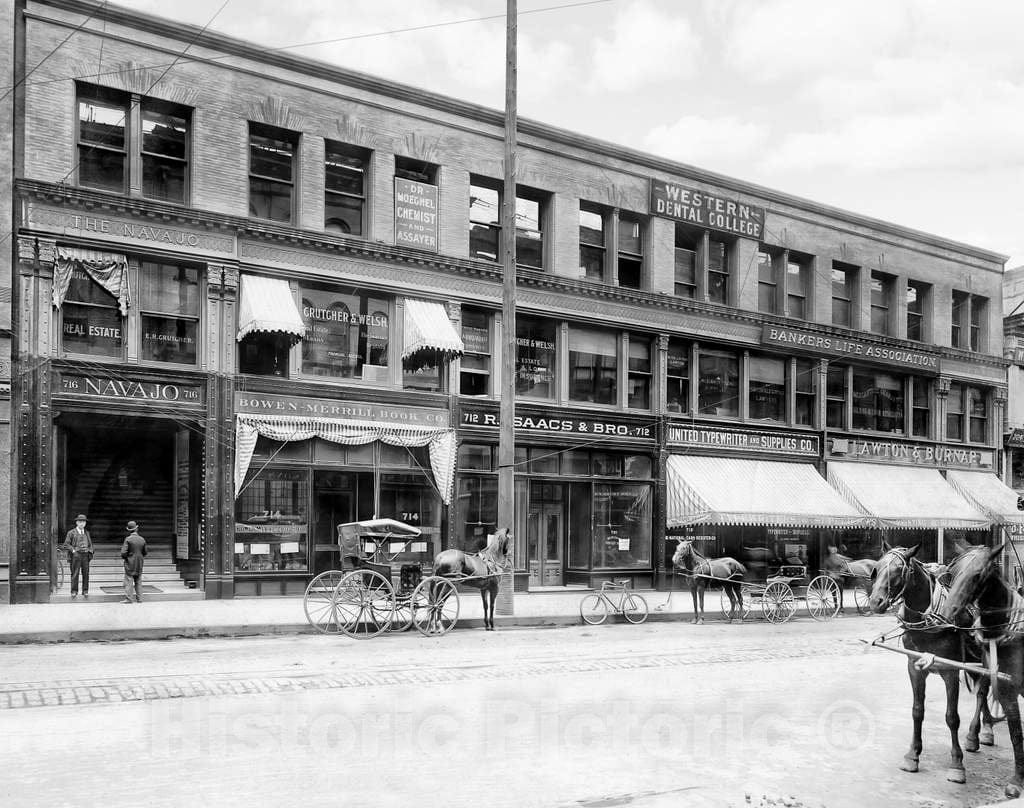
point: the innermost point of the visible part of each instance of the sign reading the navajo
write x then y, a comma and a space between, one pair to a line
701, 209
415, 214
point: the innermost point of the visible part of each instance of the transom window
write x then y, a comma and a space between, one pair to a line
345, 181
271, 172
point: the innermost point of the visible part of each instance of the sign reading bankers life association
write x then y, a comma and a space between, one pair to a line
697, 207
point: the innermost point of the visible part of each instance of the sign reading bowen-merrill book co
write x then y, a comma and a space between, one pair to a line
701, 209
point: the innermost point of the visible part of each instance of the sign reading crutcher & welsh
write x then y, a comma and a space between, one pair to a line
702, 209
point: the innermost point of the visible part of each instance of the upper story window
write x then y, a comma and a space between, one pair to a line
605, 232
346, 169
687, 243
347, 333
407, 168
869, 399
272, 172
917, 293
844, 287
169, 305
966, 413
630, 262
638, 377
798, 271
485, 205
535, 357
475, 373
968, 317
677, 386
593, 365
767, 283
114, 128
878, 401
718, 271
836, 395
881, 302
91, 321
806, 385
920, 424
592, 242
718, 382
766, 385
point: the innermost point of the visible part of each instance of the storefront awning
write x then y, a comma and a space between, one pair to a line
990, 495
904, 497
440, 442
266, 305
429, 335
729, 491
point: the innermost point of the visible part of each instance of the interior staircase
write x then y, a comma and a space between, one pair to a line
160, 578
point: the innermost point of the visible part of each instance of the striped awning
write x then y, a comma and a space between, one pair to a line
730, 491
990, 495
904, 497
429, 335
267, 305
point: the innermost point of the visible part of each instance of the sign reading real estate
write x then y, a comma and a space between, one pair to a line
841, 347
415, 214
701, 209
743, 440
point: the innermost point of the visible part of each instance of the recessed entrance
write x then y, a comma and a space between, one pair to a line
546, 533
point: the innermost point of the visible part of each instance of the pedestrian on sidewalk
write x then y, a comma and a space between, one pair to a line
133, 551
78, 545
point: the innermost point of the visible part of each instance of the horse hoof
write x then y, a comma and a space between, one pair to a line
987, 738
971, 744
956, 775
1012, 791
909, 765
694, 621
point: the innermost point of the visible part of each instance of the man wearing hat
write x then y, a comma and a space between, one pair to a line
133, 551
78, 545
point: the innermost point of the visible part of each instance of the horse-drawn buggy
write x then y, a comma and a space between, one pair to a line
371, 593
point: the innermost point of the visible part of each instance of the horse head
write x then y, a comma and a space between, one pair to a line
501, 546
972, 573
890, 577
683, 556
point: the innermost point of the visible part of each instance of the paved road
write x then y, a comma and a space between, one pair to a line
656, 715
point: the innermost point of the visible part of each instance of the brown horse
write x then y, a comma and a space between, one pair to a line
899, 578
727, 570
838, 566
480, 570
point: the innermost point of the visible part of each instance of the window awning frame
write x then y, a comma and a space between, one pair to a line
266, 305
430, 338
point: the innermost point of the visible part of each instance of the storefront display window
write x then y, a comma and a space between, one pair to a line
91, 320
719, 383
347, 333
593, 366
622, 525
475, 373
169, 297
271, 522
767, 388
535, 358
877, 401
412, 498
476, 511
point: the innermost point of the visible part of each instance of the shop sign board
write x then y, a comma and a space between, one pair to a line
744, 440
702, 209
127, 389
1015, 440
363, 411
415, 214
910, 454
838, 347
182, 493
555, 423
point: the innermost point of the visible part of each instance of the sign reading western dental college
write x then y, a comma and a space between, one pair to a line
702, 209
415, 214
840, 347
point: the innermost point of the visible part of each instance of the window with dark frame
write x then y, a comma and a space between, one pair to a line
592, 241
955, 412
272, 172
686, 243
535, 357
475, 371
836, 388
881, 301
718, 382
485, 205
978, 310
169, 303
797, 273
346, 172
718, 271
916, 294
639, 373
630, 261
878, 401
767, 283
91, 321
677, 386
920, 422
844, 279
407, 168
593, 365
766, 388
977, 414
347, 333
805, 384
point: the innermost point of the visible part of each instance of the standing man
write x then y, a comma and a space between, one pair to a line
78, 544
133, 551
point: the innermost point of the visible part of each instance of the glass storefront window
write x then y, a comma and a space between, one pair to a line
593, 366
622, 525
677, 386
475, 372
411, 498
606, 464
877, 401
91, 322
543, 460
719, 383
575, 461
271, 522
169, 300
767, 388
346, 333
639, 372
476, 511
638, 467
535, 358
475, 456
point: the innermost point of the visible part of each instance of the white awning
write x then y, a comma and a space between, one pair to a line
729, 491
429, 335
267, 305
990, 495
904, 496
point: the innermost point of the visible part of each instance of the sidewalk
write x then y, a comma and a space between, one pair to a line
241, 617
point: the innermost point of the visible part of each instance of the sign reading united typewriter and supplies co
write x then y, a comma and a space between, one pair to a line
831, 345
743, 440
703, 209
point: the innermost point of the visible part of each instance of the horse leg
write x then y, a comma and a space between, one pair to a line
917, 686
738, 589
693, 594
980, 730
700, 598
494, 600
1008, 699
483, 600
955, 773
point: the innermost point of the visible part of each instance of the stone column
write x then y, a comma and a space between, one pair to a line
938, 428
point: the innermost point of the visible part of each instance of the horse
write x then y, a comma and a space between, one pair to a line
727, 570
900, 577
480, 570
838, 566
977, 580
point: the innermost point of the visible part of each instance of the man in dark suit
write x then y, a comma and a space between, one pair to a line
133, 551
78, 545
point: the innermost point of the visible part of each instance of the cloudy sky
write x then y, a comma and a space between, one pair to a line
910, 111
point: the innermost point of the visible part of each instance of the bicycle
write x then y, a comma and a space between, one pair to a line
594, 607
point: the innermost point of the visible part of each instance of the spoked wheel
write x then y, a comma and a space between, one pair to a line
435, 606
778, 603
634, 609
862, 596
319, 604
593, 610
365, 604
401, 620
724, 598
823, 598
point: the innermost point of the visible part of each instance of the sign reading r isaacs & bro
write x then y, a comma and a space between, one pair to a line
702, 209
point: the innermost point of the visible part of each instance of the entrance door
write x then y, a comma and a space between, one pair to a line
546, 533
337, 497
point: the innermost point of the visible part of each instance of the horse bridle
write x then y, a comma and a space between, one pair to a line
894, 599
698, 560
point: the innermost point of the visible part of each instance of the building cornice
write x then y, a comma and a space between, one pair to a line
198, 38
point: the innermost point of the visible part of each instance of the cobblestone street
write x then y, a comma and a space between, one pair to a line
656, 715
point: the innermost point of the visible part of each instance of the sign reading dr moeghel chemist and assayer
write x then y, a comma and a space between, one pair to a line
702, 209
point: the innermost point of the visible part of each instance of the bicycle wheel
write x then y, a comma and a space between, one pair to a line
593, 610
634, 609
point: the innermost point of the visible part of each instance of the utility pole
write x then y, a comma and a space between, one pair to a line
507, 411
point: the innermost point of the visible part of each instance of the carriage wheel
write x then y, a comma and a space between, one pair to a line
823, 598
319, 604
435, 606
778, 603
401, 620
634, 609
593, 610
862, 596
365, 603
724, 599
